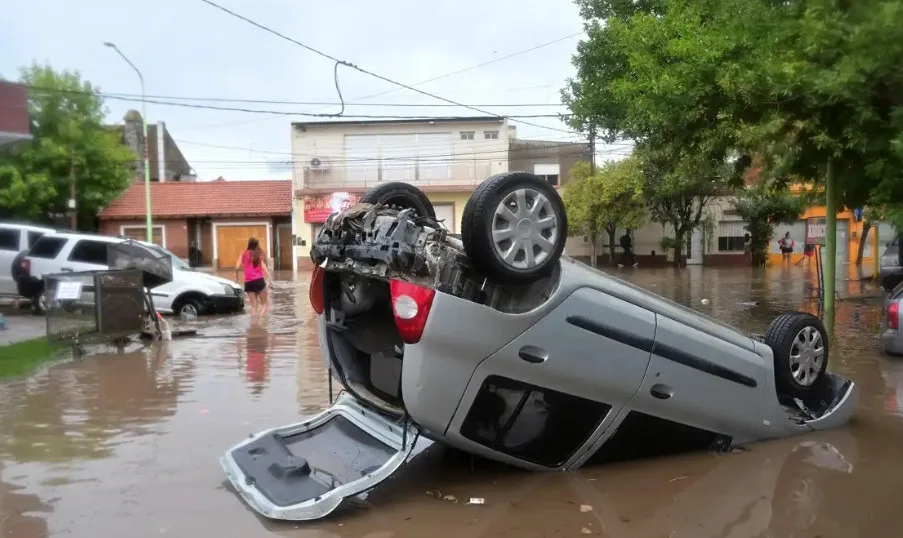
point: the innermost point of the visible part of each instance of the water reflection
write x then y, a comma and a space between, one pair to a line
116, 445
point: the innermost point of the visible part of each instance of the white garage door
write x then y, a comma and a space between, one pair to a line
445, 213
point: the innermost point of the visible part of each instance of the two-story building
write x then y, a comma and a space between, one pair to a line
335, 162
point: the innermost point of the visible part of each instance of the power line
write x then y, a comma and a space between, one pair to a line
366, 72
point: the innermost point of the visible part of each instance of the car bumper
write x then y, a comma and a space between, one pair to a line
892, 342
225, 303
30, 287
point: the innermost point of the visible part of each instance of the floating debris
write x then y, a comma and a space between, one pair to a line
476, 500
585, 530
586, 508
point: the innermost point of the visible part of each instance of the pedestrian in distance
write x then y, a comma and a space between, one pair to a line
786, 244
627, 257
252, 263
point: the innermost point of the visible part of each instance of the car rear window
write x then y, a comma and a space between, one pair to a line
33, 238
9, 239
47, 247
88, 251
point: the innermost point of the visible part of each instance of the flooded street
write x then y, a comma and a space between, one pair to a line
128, 445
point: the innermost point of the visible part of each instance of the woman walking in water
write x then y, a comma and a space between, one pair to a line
254, 264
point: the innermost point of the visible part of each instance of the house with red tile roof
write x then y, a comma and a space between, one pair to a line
208, 222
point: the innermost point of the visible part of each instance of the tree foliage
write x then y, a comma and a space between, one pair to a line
69, 137
764, 206
703, 82
611, 198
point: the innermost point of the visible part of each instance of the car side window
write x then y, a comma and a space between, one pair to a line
88, 251
9, 239
33, 238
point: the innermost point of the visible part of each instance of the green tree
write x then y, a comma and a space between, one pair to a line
763, 206
611, 198
70, 143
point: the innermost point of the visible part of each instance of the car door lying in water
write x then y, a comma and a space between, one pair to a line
304, 471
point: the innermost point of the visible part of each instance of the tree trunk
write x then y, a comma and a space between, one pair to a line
678, 247
866, 226
592, 250
611, 243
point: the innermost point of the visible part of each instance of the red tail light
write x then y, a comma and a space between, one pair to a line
26, 267
893, 315
411, 306
317, 294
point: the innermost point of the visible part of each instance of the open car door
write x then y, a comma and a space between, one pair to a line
304, 471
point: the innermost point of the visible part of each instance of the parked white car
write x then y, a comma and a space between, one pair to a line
190, 292
15, 238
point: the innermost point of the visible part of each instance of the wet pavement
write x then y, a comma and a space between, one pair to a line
128, 445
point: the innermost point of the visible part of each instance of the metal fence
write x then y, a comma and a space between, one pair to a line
94, 305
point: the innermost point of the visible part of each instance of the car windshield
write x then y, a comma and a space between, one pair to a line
177, 262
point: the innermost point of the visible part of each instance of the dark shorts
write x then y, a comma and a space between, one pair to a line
255, 286
787, 250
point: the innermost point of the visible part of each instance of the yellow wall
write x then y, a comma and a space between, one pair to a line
853, 237
459, 199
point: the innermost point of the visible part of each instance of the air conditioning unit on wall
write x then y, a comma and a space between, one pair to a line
318, 165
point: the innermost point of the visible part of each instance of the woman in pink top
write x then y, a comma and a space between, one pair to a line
253, 262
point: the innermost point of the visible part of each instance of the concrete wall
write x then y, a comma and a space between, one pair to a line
524, 155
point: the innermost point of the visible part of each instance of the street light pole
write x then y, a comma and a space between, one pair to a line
147, 190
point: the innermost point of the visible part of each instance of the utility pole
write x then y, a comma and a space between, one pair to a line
830, 259
147, 189
592, 148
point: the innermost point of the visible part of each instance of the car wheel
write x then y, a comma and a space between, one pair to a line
401, 195
191, 308
514, 227
800, 346
15, 270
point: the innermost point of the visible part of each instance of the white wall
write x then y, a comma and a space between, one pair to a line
425, 153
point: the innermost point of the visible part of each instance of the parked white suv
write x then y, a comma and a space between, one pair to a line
190, 292
15, 238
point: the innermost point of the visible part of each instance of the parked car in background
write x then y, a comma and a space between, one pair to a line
15, 239
190, 292
496, 344
891, 265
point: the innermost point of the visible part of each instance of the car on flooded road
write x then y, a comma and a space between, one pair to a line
495, 343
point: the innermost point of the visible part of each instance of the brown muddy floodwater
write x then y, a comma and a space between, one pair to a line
128, 445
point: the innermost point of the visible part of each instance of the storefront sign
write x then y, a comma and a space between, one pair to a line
317, 208
815, 231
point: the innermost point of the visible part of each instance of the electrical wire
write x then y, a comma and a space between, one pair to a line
288, 113
366, 72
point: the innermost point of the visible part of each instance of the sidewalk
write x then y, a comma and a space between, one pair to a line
22, 327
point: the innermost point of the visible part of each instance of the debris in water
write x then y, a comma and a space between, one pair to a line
584, 530
586, 508
675, 479
450, 498
476, 500
704, 301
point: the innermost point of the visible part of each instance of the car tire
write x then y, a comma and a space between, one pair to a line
39, 304
401, 195
15, 270
799, 343
190, 307
495, 250
890, 282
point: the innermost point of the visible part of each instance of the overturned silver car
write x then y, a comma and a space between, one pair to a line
495, 343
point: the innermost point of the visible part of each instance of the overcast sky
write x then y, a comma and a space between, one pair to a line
186, 48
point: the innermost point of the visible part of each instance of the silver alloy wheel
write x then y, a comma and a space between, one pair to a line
524, 229
188, 310
807, 355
